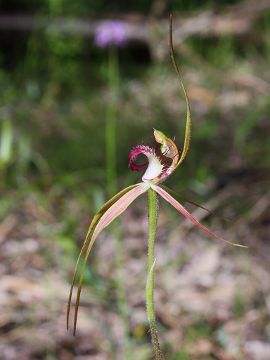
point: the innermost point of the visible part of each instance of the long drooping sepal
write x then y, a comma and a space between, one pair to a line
91, 228
188, 116
184, 212
109, 212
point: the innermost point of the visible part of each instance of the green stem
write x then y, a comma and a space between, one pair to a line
111, 172
153, 212
110, 130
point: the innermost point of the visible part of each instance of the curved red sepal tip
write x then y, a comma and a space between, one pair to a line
134, 153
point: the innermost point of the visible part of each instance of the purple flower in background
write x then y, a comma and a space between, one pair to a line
111, 32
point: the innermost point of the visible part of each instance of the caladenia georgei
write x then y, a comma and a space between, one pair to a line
162, 159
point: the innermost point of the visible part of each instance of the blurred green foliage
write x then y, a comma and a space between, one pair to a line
53, 102
180, 355
199, 329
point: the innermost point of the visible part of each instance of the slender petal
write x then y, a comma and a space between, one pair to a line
92, 226
109, 212
184, 212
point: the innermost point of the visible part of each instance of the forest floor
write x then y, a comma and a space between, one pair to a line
212, 299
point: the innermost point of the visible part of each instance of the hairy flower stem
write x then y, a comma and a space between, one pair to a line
153, 213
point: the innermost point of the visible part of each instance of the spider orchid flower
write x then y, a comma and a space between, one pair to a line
161, 161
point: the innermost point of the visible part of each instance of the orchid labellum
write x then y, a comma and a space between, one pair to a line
161, 161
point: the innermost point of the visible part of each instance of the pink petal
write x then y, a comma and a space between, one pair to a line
116, 209
184, 212
119, 207
88, 237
